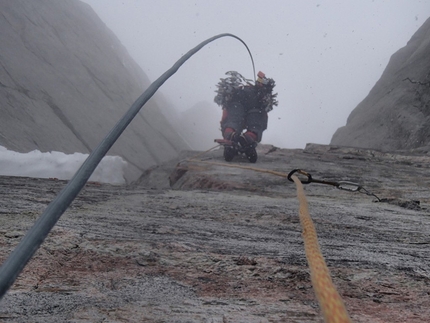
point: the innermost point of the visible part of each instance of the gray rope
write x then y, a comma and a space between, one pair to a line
19, 258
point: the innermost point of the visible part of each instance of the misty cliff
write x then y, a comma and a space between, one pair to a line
200, 125
396, 112
65, 81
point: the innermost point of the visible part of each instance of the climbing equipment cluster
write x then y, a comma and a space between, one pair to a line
227, 87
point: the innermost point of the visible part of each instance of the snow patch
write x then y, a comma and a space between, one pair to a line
59, 165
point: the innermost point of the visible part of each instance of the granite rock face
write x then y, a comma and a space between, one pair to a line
396, 113
219, 243
66, 80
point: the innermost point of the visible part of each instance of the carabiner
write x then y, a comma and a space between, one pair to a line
309, 180
348, 186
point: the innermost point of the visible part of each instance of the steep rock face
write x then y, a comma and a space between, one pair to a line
396, 113
65, 81
224, 244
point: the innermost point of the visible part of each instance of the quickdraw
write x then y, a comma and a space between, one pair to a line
342, 185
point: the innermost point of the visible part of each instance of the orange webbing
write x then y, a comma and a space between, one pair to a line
331, 304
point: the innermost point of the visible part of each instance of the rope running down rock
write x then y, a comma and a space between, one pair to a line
331, 303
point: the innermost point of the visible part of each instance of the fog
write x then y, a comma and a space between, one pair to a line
325, 56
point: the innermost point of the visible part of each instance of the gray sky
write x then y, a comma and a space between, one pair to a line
325, 56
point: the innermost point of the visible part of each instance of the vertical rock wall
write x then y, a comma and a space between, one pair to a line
396, 113
65, 80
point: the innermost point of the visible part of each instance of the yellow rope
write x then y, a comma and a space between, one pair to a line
331, 303
204, 152
267, 171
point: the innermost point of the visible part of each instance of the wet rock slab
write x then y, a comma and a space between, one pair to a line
224, 244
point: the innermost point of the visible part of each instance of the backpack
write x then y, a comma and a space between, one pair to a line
229, 86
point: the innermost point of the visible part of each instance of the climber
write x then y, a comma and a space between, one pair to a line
244, 107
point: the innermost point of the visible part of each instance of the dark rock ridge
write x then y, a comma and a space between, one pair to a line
65, 81
396, 113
